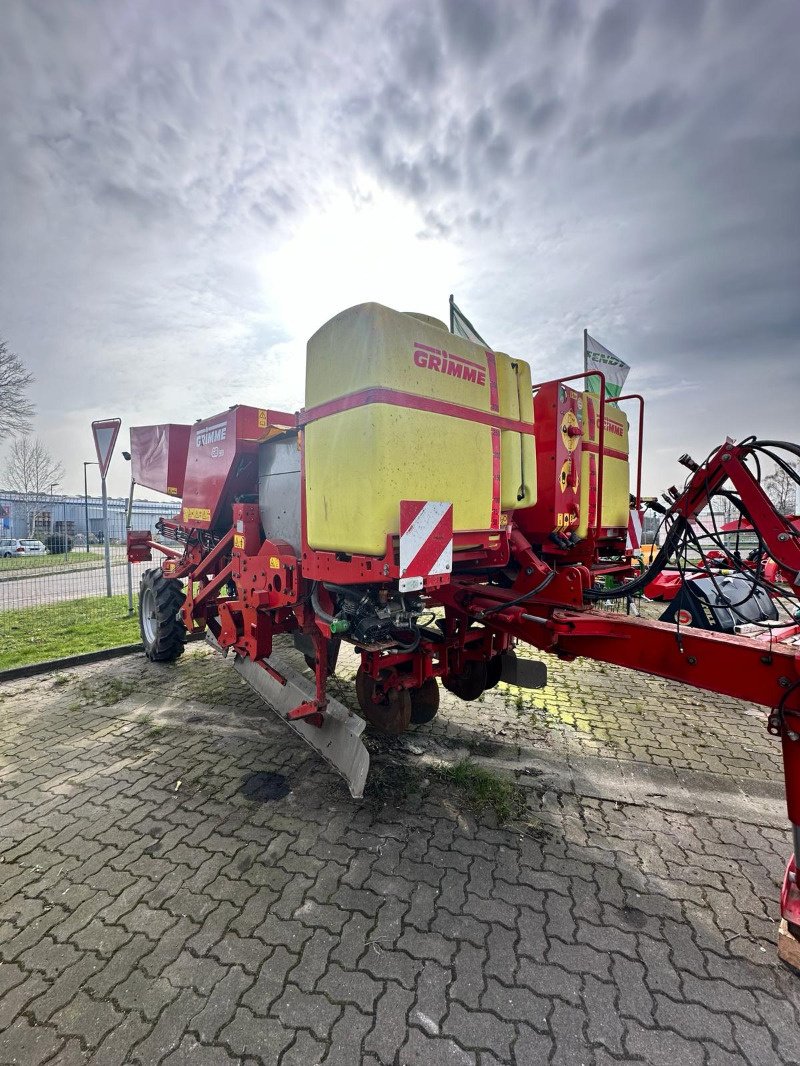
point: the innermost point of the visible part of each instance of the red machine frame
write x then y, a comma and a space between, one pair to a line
246, 589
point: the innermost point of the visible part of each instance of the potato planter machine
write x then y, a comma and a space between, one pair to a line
433, 508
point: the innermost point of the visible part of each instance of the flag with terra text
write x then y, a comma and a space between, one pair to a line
462, 327
597, 357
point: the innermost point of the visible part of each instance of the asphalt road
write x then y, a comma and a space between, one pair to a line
66, 584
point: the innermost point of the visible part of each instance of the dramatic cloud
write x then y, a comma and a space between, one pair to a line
189, 189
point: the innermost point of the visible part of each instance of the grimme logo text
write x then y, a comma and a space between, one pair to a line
442, 362
211, 434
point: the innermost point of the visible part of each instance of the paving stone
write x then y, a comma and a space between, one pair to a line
271, 981
141, 925
479, 1029
148, 995
661, 1047
307, 1051
221, 1006
190, 1053
347, 1036
263, 1038
307, 1010
423, 1050
390, 1028
86, 1018
28, 1044
168, 1031
349, 986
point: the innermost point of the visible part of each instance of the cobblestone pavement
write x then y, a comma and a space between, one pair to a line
182, 881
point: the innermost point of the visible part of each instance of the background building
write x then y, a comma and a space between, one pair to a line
24, 515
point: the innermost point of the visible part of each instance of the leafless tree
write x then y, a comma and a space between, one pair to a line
780, 488
16, 411
32, 471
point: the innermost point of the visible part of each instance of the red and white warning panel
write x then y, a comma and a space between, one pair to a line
635, 522
426, 542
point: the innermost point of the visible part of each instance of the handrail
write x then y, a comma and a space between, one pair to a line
636, 396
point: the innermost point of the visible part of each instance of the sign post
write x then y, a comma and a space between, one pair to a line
105, 437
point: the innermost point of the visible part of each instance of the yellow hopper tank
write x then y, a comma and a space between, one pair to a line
383, 366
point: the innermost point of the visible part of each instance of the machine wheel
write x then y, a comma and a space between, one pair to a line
162, 628
471, 683
424, 702
392, 715
494, 668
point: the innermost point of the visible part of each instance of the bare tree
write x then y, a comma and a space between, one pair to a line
780, 487
16, 411
32, 471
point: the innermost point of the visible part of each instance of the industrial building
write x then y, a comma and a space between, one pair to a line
23, 515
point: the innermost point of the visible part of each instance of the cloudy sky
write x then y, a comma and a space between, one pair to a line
189, 189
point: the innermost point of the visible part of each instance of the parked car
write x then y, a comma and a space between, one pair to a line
15, 547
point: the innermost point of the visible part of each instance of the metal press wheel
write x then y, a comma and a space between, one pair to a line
160, 624
424, 702
392, 715
469, 684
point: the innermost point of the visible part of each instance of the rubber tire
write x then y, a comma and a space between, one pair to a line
469, 685
424, 702
163, 633
392, 716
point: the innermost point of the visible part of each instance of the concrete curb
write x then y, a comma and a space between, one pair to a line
32, 669
84, 659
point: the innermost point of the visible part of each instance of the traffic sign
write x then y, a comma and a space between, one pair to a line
105, 437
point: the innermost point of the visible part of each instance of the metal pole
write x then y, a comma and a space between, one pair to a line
128, 528
86, 502
106, 539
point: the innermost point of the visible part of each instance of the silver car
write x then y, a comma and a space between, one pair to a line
12, 548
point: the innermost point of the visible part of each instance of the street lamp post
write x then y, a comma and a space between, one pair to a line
88, 462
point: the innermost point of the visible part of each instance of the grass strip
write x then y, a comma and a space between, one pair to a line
55, 630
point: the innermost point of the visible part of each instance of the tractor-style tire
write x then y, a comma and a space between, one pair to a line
160, 624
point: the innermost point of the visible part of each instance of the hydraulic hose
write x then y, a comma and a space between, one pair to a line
323, 614
654, 569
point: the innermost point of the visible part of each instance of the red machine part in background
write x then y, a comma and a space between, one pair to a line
158, 457
222, 462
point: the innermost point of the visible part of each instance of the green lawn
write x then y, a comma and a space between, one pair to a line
34, 634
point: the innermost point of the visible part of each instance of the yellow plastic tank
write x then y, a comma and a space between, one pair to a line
362, 462
616, 473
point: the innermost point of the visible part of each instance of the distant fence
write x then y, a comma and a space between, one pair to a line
53, 606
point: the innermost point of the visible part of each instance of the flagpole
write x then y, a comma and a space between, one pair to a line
452, 314
588, 385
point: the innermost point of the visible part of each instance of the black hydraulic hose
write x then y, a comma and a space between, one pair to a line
513, 603
323, 614
654, 569
783, 445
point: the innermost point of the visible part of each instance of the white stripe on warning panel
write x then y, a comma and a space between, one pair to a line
421, 528
634, 540
444, 564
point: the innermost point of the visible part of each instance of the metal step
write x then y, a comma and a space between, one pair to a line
338, 739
